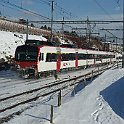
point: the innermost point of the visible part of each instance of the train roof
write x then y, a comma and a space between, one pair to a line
38, 43
47, 43
29, 44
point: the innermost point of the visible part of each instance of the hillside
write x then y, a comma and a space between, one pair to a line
10, 40
81, 42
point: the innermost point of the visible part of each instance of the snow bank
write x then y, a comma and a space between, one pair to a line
10, 40
100, 102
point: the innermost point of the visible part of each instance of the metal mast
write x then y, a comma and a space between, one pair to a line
52, 22
123, 38
27, 30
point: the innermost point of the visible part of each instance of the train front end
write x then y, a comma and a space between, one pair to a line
26, 59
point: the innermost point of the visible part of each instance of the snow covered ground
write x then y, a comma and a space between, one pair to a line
100, 102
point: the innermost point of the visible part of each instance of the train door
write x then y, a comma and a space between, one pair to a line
76, 59
87, 57
110, 60
94, 57
58, 62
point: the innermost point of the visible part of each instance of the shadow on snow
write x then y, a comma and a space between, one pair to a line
41, 118
80, 86
114, 96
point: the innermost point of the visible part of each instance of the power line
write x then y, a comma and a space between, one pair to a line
59, 9
7, 8
79, 22
102, 8
21, 8
43, 1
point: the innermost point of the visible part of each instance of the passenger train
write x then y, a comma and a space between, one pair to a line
38, 58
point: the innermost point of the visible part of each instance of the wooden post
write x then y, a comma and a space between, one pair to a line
59, 98
84, 80
55, 75
117, 65
92, 76
98, 70
107, 65
51, 114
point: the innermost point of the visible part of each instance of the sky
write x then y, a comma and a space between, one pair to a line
69, 9
40, 10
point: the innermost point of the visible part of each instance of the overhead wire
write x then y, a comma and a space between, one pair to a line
117, 2
45, 2
8, 7
61, 11
118, 5
103, 8
24, 9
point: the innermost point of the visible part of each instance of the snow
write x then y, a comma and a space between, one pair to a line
99, 102
10, 40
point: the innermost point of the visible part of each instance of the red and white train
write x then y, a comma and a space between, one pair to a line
35, 58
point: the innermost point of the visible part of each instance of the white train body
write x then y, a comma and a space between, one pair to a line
50, 58
46, 65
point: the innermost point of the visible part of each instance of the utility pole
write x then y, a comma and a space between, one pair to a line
105, 44
105, 38
88, 30
63, 29
115, 37
123, 38
27, 31
51, 39
116, 44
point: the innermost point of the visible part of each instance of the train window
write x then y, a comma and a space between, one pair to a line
82, 56
104, 56
112, 56
26, 56
20, 56
71, 56
119, 57
41, 57
65, 57
26, 53
51, 57
96, 56
100, 56
89, 56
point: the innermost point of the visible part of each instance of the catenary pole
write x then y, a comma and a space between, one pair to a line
123, 38
52, 22
27, 30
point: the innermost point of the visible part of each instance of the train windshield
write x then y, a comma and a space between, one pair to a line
26, 53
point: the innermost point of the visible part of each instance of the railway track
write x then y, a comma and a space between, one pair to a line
11, 104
